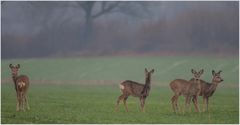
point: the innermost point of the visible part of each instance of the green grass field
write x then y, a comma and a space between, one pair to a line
72, 90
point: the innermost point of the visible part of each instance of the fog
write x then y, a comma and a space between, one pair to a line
77, 28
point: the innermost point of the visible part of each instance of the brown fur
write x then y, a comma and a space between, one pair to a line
135, 89
21, 84
186, 88
207, 89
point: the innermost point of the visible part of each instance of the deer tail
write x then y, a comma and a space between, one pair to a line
121, 86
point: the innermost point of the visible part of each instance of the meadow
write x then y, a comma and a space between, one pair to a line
85, 90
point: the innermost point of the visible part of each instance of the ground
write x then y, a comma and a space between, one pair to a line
85, 90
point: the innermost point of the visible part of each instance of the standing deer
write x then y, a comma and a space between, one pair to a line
188, 89
207, 89
136, 90
21, 86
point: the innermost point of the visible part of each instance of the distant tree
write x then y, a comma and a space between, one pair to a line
88, 6
95, 9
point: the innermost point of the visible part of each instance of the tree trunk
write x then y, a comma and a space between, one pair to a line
88, 7
88, 27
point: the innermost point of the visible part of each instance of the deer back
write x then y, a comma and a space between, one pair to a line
180, 86
204, 86
131, 88
195, 87
22, 83
191, 87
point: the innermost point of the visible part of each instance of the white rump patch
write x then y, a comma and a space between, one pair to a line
121, 86
21, 84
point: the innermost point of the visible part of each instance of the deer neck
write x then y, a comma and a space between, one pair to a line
148, 81
212, 88
197, 81
14, 77
214, 85
146, 87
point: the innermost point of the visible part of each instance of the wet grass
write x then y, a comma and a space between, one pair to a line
95, 104
92, 103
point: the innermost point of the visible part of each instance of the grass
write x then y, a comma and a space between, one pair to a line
119, 68
95, 104
92, 103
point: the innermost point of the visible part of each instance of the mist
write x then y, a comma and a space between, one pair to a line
96, 28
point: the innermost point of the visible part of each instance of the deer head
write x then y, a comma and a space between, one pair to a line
14, 69
196, 74
216, 77
148, 73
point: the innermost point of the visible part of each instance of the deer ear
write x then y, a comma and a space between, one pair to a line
18, 65
10, 65
201, 71
213, 72
152, 71
219, 71
193, 71
146, 71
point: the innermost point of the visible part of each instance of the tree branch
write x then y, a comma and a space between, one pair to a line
86, 6
106, 9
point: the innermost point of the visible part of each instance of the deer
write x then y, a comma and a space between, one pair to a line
135, 89
207, 89
189, 89
21, 83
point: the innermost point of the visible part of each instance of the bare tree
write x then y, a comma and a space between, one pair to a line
95, 9
88, 8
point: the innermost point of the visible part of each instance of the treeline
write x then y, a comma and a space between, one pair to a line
60, 33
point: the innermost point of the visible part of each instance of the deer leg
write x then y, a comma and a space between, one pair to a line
118, 101
173, 103
26, 102
18, 102
28, 107
176, 102
22, 101
207, 103
189, 106
144, 104
195, 101
142, 100
173, 98
199, 110
186, 102
204, 104
124, 101
189, 101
